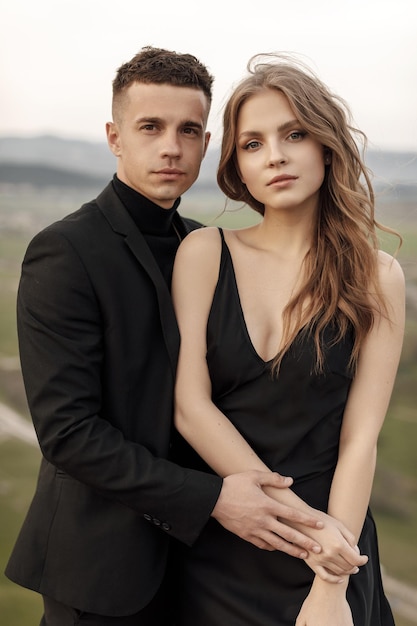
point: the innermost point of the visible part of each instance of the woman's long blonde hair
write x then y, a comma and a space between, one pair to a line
341, 284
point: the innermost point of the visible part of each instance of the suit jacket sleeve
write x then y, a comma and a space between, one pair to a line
62, 348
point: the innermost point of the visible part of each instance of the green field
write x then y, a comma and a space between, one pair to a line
394, 498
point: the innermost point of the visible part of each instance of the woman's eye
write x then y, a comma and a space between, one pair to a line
251, 145
296, 135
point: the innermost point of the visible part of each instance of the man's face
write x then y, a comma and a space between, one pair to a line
160, 140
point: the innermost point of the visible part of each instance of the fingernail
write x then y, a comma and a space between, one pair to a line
316, 549
356, 570
303, 555
319, 525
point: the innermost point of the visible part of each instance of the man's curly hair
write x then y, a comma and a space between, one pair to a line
156, 65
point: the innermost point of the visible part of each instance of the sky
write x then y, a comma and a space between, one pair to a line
59, 57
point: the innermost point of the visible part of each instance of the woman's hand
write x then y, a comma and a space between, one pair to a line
325, 605
339, 556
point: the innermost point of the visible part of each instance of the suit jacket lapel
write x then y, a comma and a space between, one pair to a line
122, 223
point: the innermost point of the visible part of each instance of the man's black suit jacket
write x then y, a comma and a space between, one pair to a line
99, 344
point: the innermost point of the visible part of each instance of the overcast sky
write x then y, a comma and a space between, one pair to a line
58, 57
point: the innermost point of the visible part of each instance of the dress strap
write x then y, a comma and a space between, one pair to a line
221, 234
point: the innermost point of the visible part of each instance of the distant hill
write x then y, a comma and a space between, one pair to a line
67, 154
82, 163
42, 176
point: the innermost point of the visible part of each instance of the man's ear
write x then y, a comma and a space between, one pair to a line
207, 136
113, 138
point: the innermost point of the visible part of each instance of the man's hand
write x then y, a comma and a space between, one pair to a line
244, 509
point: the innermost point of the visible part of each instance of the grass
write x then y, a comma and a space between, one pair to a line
18, 473
397, 442
12, 249
409, 245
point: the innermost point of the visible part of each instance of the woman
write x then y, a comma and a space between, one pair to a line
291, 337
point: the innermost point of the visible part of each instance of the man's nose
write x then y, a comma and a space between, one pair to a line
171, 146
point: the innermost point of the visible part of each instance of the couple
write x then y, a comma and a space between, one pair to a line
285, 330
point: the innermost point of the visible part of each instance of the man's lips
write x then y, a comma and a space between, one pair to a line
282, 179
170, 172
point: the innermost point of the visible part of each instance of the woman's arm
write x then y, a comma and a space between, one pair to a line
362, 421
206, 428
368, 402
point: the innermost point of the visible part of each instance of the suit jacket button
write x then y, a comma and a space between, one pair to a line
156, 521
166, 526
148, 517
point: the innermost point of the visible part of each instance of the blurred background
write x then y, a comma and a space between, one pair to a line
57, 62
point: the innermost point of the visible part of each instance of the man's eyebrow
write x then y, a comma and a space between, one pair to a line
159, 120
149, 120
192, 123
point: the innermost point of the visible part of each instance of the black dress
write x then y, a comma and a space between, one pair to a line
293, 422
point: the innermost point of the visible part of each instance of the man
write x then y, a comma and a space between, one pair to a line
99, 343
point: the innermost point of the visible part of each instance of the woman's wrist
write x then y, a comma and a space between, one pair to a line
323, 587
287, 497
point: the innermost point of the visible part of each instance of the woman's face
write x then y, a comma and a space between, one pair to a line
281, 165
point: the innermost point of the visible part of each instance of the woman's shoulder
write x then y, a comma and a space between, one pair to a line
205, 234
197, 263
208, 241
389, 268
391, 280
200, 243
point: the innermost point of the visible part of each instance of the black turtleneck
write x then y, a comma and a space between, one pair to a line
155, 224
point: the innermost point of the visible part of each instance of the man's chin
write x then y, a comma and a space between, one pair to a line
166, 200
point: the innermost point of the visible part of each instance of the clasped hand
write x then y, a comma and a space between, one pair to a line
322, 541
339, 555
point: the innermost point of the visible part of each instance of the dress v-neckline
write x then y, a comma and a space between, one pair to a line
240, 307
